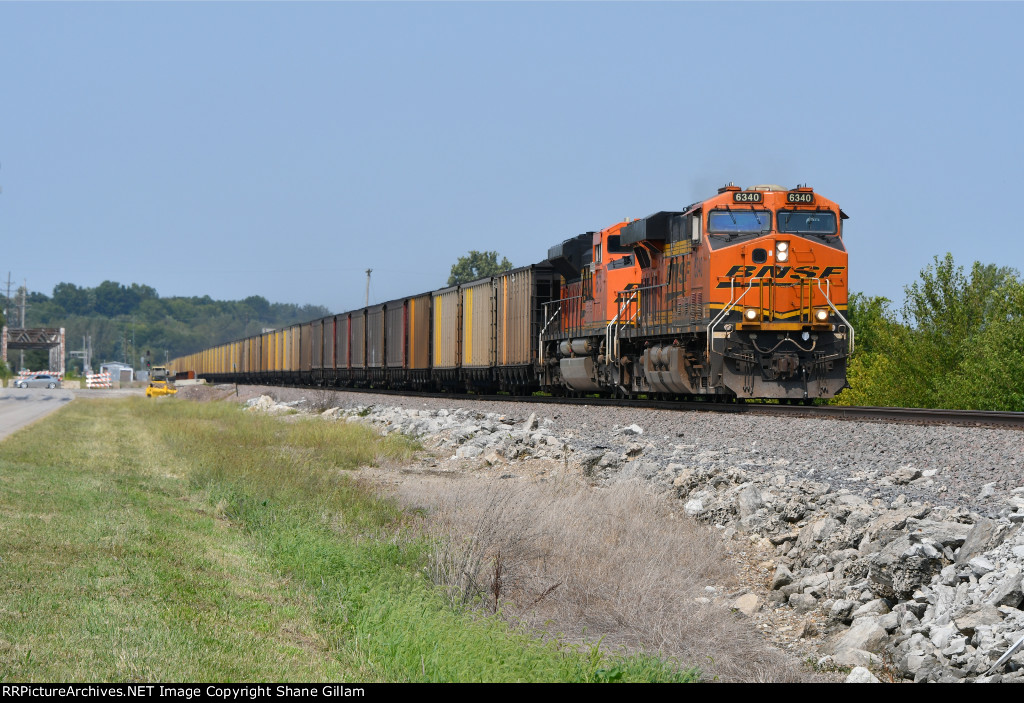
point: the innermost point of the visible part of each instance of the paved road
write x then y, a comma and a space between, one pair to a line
22, 406
107, 392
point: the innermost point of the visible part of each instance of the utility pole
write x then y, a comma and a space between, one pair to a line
84, 355
368, 272
7, 300
24, 302
24, 295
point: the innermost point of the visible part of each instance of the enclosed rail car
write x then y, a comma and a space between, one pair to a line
483, 335
741, 295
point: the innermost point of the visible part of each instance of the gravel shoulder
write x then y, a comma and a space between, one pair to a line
868, 458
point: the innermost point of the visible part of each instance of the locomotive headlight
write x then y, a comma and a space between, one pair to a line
782, 251
750, 314
821, 315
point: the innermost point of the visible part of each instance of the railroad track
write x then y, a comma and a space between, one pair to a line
919, 416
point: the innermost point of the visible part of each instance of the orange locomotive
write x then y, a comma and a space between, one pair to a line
741, 295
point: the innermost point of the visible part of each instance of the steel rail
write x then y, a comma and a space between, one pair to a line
920, 416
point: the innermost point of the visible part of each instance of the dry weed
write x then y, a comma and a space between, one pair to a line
612, 563
321, 399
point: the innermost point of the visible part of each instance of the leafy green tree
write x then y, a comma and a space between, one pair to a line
873, 321
946, 310
114, 299
991, 376
72, 299
152, 310
36, 359
258, 304
960, 343
477, 264
143, 292
871, 372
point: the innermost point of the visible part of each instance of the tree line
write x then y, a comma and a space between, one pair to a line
124, 322
956, 342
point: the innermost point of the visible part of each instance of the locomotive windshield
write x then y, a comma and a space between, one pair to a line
807, 221
729, 221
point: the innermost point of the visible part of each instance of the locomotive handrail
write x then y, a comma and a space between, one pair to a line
642, 288
540, 337
836, 311
559, 303
615, 321
562, 300
608, 329
732, 304
726, 310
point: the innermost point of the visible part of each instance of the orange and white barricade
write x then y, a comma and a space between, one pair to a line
98, 380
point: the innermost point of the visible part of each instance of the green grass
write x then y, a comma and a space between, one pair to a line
168, 540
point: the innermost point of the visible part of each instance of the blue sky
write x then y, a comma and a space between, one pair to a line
280, 149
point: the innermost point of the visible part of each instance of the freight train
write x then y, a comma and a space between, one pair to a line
742, 295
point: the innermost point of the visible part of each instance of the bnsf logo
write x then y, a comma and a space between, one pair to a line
796, 274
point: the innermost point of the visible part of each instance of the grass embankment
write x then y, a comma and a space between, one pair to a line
167, 540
